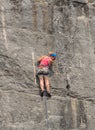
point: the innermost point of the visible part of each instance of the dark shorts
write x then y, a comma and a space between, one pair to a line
43, 75
43, 71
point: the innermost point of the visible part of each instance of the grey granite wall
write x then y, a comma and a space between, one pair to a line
29, 29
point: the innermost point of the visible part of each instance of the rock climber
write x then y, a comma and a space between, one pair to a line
43, 71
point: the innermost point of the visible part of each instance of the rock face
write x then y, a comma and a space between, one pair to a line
32, 28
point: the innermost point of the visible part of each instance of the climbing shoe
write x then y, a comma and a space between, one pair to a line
41, 93
48, 94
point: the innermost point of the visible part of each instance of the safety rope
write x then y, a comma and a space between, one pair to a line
46, 112
34, 67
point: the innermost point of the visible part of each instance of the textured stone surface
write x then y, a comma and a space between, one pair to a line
29, 29
81, 1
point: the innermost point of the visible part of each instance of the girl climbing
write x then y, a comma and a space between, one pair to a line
44, 65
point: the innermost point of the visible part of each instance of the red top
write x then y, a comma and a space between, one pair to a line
45, 61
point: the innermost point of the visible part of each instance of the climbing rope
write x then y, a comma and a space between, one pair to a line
33, 59
46, 111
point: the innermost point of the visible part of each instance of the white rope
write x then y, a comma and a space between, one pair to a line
34, 68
